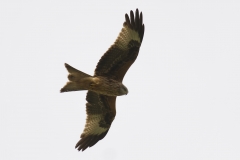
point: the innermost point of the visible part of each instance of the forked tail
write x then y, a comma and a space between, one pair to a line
77, 80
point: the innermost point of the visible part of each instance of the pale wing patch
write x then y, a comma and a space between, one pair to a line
125, 36
92, 125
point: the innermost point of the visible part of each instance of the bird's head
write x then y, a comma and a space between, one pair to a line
123, 90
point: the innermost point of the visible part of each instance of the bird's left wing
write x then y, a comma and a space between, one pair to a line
100, 114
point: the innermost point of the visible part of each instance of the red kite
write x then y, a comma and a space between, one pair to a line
106, 83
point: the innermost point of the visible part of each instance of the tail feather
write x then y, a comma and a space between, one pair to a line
72, 70
77, 80
71, 86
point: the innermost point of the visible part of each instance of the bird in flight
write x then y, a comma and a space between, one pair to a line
106, 83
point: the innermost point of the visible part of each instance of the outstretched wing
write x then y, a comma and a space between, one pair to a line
121, 55
100, 114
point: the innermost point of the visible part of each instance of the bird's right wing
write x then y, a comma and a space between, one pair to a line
121, 55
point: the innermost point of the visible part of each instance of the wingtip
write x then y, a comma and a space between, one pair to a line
78, 148
135, 22
66, 65
62, 90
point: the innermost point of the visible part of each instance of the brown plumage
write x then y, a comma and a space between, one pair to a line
99, 84
106, 83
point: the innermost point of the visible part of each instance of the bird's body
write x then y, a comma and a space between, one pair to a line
99, 84
107, 86
106, 83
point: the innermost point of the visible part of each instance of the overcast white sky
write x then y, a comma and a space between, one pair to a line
184, 88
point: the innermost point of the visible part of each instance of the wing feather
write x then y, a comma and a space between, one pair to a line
136, 20
100, 114
120, 56
132, 18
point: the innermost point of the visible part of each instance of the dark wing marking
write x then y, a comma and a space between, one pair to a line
121, 55
100, 114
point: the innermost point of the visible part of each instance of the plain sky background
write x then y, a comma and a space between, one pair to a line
184, 87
